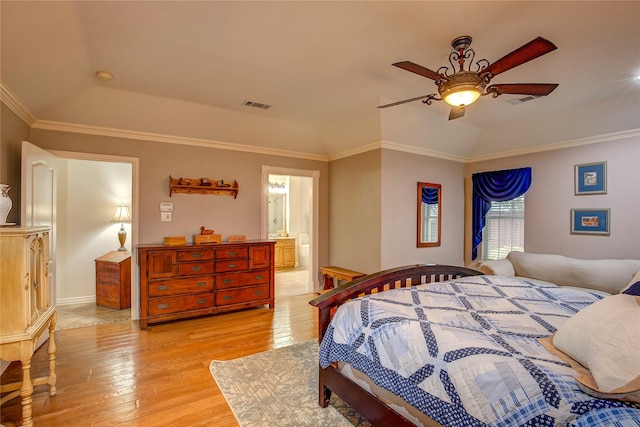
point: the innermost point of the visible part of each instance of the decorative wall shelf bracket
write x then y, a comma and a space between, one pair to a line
202, 186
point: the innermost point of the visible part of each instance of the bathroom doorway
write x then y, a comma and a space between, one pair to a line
289, 218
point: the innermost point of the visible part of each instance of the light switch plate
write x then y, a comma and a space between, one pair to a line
165, 216
166, 207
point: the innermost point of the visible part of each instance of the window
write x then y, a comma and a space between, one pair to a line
429, 223
504, 229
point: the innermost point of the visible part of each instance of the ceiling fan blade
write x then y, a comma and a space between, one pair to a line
406, 100
456, 112
418, 69
538, 89
526, 53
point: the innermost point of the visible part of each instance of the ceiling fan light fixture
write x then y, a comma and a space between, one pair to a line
462, 88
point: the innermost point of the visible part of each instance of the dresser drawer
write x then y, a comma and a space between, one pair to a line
232, 265
233, 280
229, 253
195, 255
192, 268
167, 305
237, 296
181, 286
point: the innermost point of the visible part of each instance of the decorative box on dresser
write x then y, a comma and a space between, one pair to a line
27, 311
178, 282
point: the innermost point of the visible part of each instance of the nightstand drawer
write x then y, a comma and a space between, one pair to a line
233, 280
181, 286
238, 296
180, 303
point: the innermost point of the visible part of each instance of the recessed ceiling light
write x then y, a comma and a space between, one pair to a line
105, 76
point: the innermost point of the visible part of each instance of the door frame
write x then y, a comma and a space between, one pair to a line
315, 227
135, 185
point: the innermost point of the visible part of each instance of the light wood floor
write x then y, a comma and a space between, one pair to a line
116, 375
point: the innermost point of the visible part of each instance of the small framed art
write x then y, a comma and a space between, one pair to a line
591, 178
590, 221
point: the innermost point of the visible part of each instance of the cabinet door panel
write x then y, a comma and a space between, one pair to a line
161, 264
260, 256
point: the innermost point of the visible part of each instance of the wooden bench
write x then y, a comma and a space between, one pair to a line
332, 272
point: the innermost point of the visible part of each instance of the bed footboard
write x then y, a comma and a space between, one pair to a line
330, 379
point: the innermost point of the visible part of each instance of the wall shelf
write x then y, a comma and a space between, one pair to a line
202, 186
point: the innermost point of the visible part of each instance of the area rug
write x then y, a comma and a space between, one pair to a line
280, 388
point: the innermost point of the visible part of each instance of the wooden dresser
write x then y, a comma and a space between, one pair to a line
178, 282
27, 312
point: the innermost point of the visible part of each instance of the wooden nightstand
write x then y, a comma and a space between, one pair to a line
113, 280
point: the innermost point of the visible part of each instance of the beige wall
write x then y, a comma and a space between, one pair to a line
355, 212
12, 132
401, 173
551, 197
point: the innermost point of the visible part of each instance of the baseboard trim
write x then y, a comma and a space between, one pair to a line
76, 300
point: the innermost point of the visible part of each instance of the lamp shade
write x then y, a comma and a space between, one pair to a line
122, 214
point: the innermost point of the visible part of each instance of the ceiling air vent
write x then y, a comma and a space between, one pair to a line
256, 105
523, 99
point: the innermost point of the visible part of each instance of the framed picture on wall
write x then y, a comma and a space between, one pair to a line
590, 221
591, 178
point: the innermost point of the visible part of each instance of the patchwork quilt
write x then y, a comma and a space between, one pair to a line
466, 352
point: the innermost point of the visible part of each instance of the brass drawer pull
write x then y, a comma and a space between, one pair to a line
259, 277
231, 253
232, 266
196, 268
201, 284
202, 301
258, 292
196, 255
227, 281
162, 306
226, 297
163, 287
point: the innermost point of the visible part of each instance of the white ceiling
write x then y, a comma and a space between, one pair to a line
184, 68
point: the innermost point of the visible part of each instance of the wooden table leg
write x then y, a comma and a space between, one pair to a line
328, 283
51, 349
26, 391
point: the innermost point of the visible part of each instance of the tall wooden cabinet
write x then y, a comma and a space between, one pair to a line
27, 310
178, 282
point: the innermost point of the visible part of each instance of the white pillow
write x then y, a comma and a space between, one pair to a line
604, 337
633, 288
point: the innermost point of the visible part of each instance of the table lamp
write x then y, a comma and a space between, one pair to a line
122, 215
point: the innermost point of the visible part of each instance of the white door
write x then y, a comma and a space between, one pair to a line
38, 198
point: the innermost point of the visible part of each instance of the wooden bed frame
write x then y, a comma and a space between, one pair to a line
330, 379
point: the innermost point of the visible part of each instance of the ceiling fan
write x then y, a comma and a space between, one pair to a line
460, 87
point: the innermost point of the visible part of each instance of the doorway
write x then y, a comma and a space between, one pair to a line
289, 216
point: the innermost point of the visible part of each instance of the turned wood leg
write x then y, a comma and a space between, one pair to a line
26, 391
52, 356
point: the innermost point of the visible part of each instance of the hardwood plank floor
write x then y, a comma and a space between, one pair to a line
117, 375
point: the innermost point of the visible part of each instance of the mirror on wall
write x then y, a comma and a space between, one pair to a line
429, 214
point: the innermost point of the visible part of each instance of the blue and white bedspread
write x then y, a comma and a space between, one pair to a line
466, 352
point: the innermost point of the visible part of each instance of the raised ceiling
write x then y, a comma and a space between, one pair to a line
185, 68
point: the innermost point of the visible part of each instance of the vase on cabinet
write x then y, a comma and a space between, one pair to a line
5, 203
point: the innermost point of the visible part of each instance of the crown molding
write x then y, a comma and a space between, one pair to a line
18, 108
608, 137
170, 139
